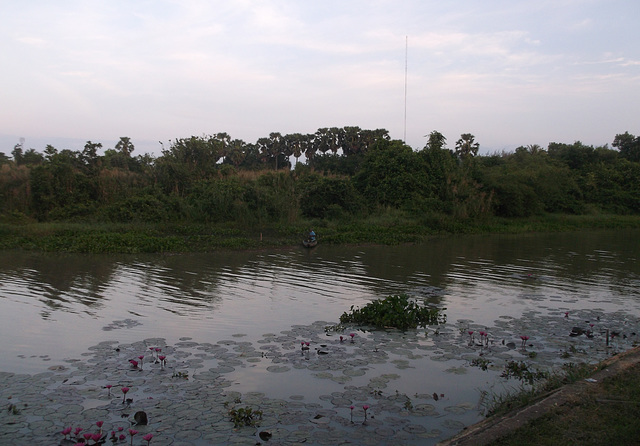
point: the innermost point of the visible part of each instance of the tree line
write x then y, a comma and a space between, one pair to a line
345, 173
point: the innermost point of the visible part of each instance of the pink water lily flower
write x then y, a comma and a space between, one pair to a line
124, 393
132, 432
148, 438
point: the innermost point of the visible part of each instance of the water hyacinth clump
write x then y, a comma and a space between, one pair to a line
397, 311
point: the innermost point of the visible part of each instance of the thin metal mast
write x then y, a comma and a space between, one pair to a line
406, 53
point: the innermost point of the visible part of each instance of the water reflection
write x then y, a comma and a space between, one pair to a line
479, 278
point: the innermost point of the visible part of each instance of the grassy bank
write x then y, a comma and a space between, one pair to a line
390, 228
603, 411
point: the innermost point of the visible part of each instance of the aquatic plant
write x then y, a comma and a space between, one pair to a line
66, 431
365, 408
244, 416
521, 371
482, 363
108, 387
124, 393
132, 432
352, 407
183, 375
396, 311
148, 438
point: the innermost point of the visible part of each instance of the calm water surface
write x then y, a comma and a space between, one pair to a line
54, 306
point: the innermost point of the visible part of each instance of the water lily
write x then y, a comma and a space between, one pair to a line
162, 360
148, 438
133, 363
132, 432
77, 431
352, 336
352, 407
124, 393
365, 407
96, 437
341, 338
99, 424
66, 431
524, 340
108, 387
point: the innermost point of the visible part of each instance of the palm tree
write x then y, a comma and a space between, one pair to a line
125, 146
466, 146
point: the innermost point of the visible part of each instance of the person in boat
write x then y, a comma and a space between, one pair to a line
312, 236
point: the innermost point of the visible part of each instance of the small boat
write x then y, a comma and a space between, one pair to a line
310, 243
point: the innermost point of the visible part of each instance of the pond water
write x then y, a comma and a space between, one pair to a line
237, 319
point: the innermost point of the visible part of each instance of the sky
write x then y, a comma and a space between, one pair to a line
510, 72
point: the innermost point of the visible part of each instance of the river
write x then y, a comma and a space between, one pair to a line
55, 307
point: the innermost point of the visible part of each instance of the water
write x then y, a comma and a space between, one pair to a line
54, 307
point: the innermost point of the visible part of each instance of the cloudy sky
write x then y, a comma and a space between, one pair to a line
511, 72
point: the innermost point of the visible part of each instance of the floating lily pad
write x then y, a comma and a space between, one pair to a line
278, 368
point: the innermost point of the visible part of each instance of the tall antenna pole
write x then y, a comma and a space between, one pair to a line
406, 53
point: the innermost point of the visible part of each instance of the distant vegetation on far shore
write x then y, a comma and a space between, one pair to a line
353, 186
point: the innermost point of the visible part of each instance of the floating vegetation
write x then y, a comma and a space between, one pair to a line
396, 311
307, 384
522, 371
245, 416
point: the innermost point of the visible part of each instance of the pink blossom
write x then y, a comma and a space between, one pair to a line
124, 393
148, 438
66, 431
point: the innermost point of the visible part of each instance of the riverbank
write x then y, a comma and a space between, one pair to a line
602, 408
388, 229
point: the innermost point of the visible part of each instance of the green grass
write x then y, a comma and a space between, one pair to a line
607, 414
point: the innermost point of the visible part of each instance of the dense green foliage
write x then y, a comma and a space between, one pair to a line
394, 312
341, 177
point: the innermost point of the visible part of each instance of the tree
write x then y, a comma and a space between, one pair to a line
32, 158
17, 154
125, 146
436, 141
275, 146
89, 155
466, 146
628, 145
